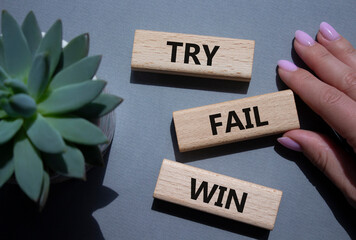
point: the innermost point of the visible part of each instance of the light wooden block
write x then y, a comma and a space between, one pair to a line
224, 196
217, 57
235, 120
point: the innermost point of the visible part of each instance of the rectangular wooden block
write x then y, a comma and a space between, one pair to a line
235, 120
218, 194
193, 55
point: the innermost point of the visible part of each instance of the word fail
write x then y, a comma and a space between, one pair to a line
236, 120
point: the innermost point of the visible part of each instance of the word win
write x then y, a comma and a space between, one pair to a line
217, 194
219, 202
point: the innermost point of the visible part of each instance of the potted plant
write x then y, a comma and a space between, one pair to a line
48, 101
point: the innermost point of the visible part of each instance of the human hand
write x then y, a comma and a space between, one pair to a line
333, 96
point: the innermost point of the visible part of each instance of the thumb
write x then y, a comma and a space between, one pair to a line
327, 156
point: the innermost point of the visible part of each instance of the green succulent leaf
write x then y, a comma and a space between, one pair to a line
76, 49
78, 130
52, 44
28, 167
39, 76
6, 106
2, 57
44, 136
8, 129
78, 72
6, 163
92, 155
16, 51
70, 163
19, 105
3, 74
32, 32
3, 114
45, 190
16, 85
72, 97
100, 106
4, 93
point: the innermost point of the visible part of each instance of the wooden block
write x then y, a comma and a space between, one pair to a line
235, 120
218, 194
193, 55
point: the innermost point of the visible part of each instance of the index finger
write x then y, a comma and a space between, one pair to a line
336, 108
336, 44
328, 68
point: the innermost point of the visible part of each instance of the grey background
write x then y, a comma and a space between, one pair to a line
116, 202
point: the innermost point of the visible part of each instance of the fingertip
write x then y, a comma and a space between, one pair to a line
341, 48
329, 32
289, 74
304, 38
302, 137
313, 144
287, 65
290, 144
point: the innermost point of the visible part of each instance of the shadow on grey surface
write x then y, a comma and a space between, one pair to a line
68, 213
210, 219
342, 210
222, 150
177, 81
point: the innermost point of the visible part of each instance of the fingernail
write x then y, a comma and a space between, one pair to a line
304, 39
287, 65
290, 144
329, 32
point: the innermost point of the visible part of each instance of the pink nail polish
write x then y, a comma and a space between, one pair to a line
304, 39
287, 65
329, 32
290, 144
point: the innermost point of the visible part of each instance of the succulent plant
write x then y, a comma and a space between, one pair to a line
48, 99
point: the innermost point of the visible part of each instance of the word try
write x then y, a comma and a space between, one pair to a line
193, 55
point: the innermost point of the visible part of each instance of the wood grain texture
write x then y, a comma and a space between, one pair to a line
175, 183
232, 60
269, 114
